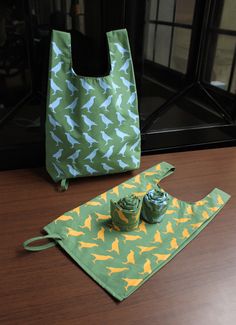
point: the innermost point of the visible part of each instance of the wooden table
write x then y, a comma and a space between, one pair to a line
197, 287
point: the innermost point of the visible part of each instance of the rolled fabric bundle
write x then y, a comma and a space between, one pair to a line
125, 213
155, 204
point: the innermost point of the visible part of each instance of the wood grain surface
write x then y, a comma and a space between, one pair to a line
197, 287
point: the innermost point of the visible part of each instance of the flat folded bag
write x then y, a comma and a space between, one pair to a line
119, 261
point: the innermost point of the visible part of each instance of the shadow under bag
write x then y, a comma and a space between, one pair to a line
92, 123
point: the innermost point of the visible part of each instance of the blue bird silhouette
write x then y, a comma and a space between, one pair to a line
135, 161
72, 140
113, 63
71, 87
121, 49
107, 167
57, 68
105, 137
57, 155
126, 83
54, 87
74, 156
71, 123
86, 86
121, 134
89, 104
133, 116
104, 85
56, 49
88, 122
90, 170
119, 101
133, 147
72, 105
132, 99
115, 86
73, 171
122, 164
123, 149
136, 130
92, 155
55, 138
109, 153
105, 120
106, 103
125, 66
120, 118
53, 122
89, 139
55, 104
58, 170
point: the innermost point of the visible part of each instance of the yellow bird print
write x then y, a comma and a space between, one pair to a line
64, 218
139, 194
157, 237
93, 203
170, 211
132, 282
142, 227
112, 270
115, 190
181, 220
100, 234
214, 209
185, 233
122, 216
148, 187
158, 167
77, 210
102, 216
113, 226
87, 245
137, 179
200, 203
219, 200
196, 225
189, 209
205, 215
130, 258
87, 223
169, 229
115, 246
144, 249
147, 267
149, 173
173, 244
104, 196
126, 185
175, 203
101, 257
74, 233
161, 257
131, 237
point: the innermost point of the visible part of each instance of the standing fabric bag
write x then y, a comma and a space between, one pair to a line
92, 123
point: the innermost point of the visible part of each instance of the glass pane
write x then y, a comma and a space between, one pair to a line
162, 44
222, 63
150, 32
180, 49
152, 8
184, 11
166, 10
228, 20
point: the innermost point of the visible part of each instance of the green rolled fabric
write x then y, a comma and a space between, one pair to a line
155, 204
125, 213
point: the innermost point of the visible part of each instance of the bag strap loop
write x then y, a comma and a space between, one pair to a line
64, 185
41, 247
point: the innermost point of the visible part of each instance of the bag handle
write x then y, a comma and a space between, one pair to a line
41, 247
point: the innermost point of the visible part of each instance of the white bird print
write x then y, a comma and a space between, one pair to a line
89, 139
108, 153
105, 137
133, 116
105, 120
121, 134
92, 155
133, 147
86, 86
56, 49
122, 164
55, 138
53, 122
132, 99
88, 122
125, 66
72, 140
58, 170
120, 118
74, 156
71, 123
57, 155
89, 104
106, 103
119, 101
107, 167
121, 49
54, 87
71, 87
55, 104
72, 170
126, 83
103, 85
135, 161
115, 86
113, 63
57, 68
136, 130
72, 105
123, 149
90, 170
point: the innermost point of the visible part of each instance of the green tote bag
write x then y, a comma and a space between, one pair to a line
92, 123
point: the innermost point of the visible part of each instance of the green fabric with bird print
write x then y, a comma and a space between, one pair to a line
122, 261
92, 124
